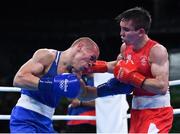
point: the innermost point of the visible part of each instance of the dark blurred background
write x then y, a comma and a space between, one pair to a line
26, 26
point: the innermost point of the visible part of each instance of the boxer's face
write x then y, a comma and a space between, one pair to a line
129, 34
84, 59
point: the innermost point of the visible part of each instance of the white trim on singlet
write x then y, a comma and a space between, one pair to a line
31, 104
57, 57
156, 101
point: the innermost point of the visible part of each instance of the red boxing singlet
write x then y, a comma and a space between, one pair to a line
141, 58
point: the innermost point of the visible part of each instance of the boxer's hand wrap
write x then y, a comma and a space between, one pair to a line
97, 67
66, 84
126, 71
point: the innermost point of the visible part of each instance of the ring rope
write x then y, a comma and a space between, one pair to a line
77, 117
73, 117
17, 89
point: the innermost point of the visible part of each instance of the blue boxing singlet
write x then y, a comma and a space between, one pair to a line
34, 109
47, 97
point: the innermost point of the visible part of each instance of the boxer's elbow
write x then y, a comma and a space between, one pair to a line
163, 87
19, 79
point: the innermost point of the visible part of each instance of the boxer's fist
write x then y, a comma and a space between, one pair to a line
66, 84
126, 71
97, 67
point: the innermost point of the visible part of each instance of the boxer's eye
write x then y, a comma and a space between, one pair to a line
93, 58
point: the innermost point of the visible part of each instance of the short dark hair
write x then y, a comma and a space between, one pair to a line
140, 17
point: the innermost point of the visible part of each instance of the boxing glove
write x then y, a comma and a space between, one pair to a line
97, 67
67, 84
126, 71
113, 87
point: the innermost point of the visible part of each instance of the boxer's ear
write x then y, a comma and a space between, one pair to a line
141, 32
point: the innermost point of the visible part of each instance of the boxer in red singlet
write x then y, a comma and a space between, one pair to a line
142, 63
145, 65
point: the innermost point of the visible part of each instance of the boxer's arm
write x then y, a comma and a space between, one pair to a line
77, 102
90, 103
87, 89
111, 65
91, 90
29, 73
160, 71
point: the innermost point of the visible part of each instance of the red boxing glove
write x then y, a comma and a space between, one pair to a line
97, 67
126, 71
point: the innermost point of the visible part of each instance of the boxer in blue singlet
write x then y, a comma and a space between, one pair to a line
44, 79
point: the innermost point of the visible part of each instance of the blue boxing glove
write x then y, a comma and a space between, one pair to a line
113, 87
67, 84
